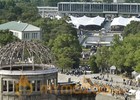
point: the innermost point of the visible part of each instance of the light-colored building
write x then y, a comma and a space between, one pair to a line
118, 1
23, 31
46, 11
26, 68
96, 8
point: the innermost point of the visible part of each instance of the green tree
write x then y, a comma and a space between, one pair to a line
11, 10
102, 58
6, 37
132, 28
132, 1
125, 56
67, 50
53, 27
93, 65
108, 1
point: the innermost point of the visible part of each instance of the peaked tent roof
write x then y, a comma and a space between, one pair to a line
120, 21
96, 21
133, 18
18, 26
123, 21
77, 21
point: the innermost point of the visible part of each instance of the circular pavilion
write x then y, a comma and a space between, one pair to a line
25, 67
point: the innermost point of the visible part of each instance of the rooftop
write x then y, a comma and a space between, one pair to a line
18, 26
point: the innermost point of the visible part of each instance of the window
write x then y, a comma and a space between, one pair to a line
26, 35
38, 85
66, 7
60, 7
4, 85
10, 85
87, 7
34, 35
133, 8
77, 7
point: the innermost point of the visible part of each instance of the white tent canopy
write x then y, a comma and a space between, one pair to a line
77, 21
133, 18
121, 21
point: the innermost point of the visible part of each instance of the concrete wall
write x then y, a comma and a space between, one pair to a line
35, 95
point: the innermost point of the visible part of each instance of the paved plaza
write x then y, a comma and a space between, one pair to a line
117, 80
64, 77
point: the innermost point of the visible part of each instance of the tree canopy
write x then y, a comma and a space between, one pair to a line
11, 10
93, 64
132, 28
66, 48
6, 37
108, 1
132, 1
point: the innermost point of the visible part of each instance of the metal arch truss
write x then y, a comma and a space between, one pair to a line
21, 52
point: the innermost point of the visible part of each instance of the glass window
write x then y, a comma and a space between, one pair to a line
10, 85
4, 85
134, 8
138, 8
38, 85
110, 7
87, 7
66, 7
26, 35
76, 7
97, 7
124, 8
34, 35
60, 7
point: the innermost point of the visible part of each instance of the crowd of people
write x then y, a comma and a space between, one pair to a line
131, 82
76, 72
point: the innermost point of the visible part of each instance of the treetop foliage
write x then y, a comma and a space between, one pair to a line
11, 10
132, 28
124, 54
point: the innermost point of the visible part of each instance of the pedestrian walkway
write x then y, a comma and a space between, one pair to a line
117, 81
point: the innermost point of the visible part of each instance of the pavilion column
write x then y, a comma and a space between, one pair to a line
7, 86
13, 86
1, 88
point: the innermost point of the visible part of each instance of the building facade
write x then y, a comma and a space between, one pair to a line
48, 11
23, 31
94, 8
26, 71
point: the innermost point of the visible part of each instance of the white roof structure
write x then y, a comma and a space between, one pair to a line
77, 21
19, 26
121, 21
133, 18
